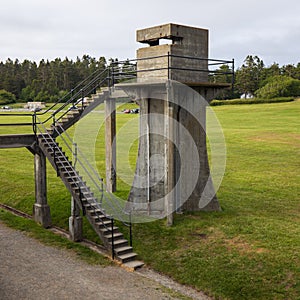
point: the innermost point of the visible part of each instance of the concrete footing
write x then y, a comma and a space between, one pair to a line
41, 214
75, 222
75, 228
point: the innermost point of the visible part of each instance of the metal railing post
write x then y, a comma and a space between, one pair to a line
54, 148
72, 92
113, 75
130, 229
112, 239
81, 202
34, 124
168, 65
82, 98
75, 154
232, 79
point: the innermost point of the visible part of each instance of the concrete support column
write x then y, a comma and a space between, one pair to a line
110, 134
170, 168
75, 222
41, 210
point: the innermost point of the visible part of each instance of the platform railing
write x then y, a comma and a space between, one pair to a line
120, 71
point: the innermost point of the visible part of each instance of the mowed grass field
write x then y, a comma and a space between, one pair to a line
250, 250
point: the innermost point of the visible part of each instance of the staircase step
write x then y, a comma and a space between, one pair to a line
64, 168
50, 145
63, 162
120, 243
93, 210
60, 156
78, 184
73, 116
73, 112
104, 230
102, 217
73, 174
53, 148
85, 191
72, 177
123, 250
117, 236
89, 200
60, 161
50, 130
96, 212
78, 191
133, 265
102, 224
69, 176
90, 203
124, 258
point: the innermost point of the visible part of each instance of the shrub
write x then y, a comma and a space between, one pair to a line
251, 101
7, 97
279, 86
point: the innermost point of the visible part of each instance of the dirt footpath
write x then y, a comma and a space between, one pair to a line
31, 270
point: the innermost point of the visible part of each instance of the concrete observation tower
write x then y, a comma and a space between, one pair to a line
173, 88
173, 91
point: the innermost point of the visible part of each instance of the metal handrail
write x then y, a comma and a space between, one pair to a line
210, 62
79, 95
76, 88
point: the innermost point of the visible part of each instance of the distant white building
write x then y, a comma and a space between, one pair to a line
35, 105
247, 96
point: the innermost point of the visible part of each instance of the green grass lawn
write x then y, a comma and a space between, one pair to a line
250, 250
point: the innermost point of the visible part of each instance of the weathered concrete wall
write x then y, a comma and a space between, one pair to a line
191, 114
187, 41
172, 153
172, 170
149, 180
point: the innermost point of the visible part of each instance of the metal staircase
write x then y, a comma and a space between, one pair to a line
102, 223
92, 197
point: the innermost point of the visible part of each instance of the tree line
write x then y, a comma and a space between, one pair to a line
254, 79
48, 81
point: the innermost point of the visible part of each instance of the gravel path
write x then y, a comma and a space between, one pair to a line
31, 270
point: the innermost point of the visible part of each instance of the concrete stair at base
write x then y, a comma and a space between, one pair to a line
78, 188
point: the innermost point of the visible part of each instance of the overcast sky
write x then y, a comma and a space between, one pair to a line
36, 29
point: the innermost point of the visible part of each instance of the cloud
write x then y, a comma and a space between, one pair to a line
37, 29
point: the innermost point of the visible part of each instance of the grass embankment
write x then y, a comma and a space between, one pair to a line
251, 249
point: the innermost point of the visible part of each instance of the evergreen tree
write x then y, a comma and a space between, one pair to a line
249, 76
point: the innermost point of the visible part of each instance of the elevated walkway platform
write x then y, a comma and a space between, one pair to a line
16, 140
